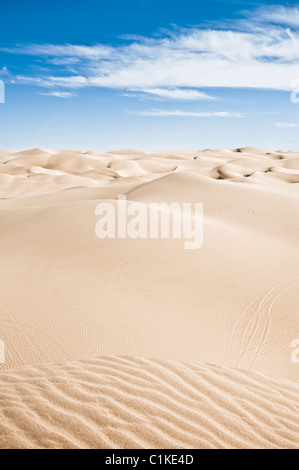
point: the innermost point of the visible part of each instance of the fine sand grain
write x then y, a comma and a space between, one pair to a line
132, 403
97, 307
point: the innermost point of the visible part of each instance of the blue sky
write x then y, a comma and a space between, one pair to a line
149, 74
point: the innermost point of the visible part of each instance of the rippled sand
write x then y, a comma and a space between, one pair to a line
134, 323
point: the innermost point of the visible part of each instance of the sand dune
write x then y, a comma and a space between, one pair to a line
133, 403
67, 296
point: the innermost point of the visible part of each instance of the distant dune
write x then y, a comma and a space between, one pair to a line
157, 346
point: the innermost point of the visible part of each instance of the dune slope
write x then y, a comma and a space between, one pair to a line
68, 297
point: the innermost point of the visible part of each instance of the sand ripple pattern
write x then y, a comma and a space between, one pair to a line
122, 402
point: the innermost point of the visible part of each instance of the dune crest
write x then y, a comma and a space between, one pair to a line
40, 171
97, 305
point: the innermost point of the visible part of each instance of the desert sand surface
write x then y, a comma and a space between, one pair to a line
140, 343
132, 403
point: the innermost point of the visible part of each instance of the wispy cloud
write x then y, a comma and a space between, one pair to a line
59, 94
66, 50
276, 14
180, 64
181, 94
72, 81
181, 113
286, 125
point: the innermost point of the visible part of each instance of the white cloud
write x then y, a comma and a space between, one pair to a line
286, 125
180, 113
277, 14
59, 94
75, 81
180, 64
173, 94
66, 50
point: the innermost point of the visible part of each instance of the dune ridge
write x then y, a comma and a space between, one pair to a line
39, 171
217, 323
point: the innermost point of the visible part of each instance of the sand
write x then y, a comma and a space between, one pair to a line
140, 343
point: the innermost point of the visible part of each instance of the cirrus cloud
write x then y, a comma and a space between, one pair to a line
180, 64
276, 14
58, 94
170, 94
286, 125
181, 113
